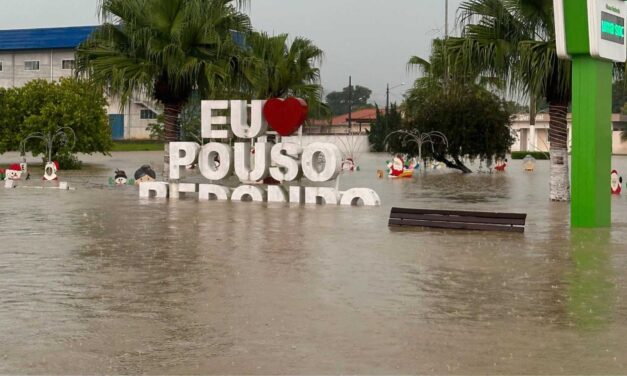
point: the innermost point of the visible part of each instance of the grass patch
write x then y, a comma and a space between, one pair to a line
137, 145
536, 154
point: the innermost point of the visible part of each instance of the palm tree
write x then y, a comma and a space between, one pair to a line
515, 40
277, 68
165, 49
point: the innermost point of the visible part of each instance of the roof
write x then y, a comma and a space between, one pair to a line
49, 38
367, 115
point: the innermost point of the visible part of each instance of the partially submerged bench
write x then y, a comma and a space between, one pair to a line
459, 220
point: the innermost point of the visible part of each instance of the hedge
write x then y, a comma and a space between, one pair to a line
536, 154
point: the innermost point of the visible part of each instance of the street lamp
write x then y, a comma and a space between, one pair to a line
387, 96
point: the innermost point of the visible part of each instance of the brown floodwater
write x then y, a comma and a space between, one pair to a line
96, 280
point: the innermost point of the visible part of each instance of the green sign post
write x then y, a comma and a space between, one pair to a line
592, 34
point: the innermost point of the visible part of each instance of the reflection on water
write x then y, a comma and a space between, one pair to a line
591, 281
98, 281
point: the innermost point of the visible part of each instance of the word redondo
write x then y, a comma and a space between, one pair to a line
252, 162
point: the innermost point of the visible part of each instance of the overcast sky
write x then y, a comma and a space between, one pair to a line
368, 39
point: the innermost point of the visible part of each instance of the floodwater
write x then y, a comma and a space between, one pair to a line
97, 280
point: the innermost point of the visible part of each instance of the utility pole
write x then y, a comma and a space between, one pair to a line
387, 100
350, 103
445, 19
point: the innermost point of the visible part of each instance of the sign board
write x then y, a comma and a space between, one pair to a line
605, 32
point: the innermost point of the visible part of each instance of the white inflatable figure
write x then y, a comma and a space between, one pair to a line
14, 172
397, 168
348, 164
50, 171
616, 183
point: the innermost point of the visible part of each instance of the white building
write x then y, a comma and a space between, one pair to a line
536, 138
48, 54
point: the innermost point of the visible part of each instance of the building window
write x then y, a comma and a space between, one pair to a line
31, 65
0, 65
147, 114
67, 64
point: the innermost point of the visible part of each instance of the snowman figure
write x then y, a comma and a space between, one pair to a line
120, 177
50, 171
616, 183
14, 172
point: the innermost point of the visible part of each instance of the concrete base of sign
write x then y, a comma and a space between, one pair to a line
276, 194
208, 192
297, 194
243, 192
153, 189
321, 196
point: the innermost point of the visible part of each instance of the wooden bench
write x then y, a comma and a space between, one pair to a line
459, 220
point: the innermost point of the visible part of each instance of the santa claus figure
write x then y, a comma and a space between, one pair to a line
397, 167
616, 183
50, 171
14, 172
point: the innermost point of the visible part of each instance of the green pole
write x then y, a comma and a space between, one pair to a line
591, 142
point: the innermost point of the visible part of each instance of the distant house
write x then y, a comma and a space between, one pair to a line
536, 138
49, 54
360, 123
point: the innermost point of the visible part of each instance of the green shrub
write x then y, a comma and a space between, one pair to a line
536, 154
138, 145
68, 162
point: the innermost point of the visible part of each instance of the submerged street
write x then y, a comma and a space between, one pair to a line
98, 280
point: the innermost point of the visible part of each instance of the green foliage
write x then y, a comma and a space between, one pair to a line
172, 50
138, 146
619, 96
68, 162
166, 49
338, 100
157, 129
273, 67
189, 121
43, 107
536, 154
474, 120
382, 127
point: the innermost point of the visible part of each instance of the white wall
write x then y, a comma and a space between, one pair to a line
13, 73
357, 144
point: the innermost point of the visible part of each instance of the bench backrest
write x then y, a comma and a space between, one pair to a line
456, 219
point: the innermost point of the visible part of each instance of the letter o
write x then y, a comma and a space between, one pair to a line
316, 171
206, 163
368, 196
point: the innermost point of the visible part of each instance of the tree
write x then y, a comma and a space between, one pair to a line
474, 120
338, 100
43, 107
383, 126
619, 96
165, 49
277, 68
515, 40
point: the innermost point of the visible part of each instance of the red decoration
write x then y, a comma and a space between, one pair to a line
285, 116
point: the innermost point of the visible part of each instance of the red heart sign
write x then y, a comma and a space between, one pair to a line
285, 116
